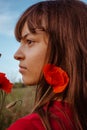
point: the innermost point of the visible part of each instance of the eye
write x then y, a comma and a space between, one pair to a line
29, 41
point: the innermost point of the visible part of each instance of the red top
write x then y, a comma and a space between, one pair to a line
64, 120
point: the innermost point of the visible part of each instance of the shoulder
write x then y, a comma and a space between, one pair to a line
29, 122
62, 115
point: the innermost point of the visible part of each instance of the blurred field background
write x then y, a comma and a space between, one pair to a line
24, 95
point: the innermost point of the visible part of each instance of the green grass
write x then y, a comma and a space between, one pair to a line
25, 100
21, 93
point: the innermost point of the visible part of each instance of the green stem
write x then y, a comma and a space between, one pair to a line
2, 101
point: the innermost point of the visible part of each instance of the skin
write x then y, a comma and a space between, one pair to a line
32, 55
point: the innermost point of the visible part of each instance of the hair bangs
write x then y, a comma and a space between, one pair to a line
35, 17
37, 20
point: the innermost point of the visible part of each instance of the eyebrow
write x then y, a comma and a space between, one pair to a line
23, 37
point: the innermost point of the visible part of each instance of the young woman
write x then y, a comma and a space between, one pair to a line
53, 55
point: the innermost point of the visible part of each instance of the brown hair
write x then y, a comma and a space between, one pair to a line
65, 21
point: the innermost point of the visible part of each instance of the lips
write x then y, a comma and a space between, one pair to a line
22, 68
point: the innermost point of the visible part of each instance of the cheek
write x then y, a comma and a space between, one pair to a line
35, 62
37, 58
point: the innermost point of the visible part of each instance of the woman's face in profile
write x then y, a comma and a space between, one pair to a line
32, 55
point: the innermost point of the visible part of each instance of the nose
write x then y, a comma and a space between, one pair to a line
18, 55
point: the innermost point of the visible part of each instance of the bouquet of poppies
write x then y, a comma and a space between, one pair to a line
5, 88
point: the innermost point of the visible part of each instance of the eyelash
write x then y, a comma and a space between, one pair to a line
29, 41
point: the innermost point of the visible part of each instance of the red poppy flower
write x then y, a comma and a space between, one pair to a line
56, 77
5, 84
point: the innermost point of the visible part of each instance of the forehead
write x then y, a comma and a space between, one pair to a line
38, 32
25, 30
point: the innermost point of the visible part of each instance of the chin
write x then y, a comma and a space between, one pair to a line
29, 83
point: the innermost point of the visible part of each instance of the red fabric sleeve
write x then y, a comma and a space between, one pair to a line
30, 122
61, 118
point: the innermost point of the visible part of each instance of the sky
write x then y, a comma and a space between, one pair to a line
10, 11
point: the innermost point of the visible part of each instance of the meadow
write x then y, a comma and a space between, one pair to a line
23, 98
